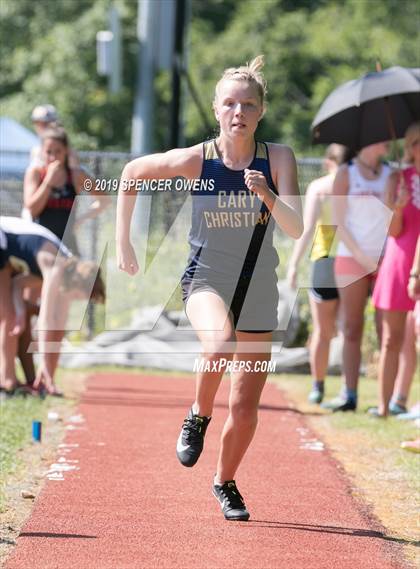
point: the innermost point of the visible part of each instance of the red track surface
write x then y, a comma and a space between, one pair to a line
132, 505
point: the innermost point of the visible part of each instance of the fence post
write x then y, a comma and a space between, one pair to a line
93, 249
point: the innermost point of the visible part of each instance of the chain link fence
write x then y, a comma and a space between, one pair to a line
108, 166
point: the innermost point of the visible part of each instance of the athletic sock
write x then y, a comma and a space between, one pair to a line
318, 385
216, 481
351, 394
194, 410
400, 399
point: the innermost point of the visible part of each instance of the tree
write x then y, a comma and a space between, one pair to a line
309, 51
48, 54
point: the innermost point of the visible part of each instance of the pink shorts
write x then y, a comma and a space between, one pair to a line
348, 267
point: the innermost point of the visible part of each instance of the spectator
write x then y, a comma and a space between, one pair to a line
391, 294
45, 117
413, 290
323, 296
50, 190
361, 219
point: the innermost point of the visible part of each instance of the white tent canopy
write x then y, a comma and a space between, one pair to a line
16, 142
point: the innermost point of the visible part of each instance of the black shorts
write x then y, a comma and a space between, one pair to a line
252, 302
323, 282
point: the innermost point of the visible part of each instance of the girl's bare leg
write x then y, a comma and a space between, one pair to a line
392, 341
8, 343
407, 363
209, 316
245, 393
353, 301
324, 316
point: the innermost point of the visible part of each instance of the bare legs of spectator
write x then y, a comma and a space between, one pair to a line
8, 343
324, 315
392, 342
407, 363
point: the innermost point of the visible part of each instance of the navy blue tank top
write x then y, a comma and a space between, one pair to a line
232, 230
23, 240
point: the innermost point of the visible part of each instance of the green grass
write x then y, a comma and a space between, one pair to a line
16, 416
382, 434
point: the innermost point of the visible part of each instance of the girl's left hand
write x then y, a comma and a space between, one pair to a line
43, 378
256, 182
20, 324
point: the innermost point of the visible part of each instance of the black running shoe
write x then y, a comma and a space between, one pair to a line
348, 405
231, 501
191, 439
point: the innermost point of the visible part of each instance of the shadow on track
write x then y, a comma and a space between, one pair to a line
354, 532
168, 403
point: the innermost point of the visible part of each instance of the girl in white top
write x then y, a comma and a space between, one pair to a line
366, 218
362, 221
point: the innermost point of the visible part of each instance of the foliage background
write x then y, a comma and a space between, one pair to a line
48, 54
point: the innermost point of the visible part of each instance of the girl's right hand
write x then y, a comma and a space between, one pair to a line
413, 288
126, 258
52, 176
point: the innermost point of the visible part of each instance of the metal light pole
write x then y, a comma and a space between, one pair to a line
177, 62
141, 134
108, 52
115, 79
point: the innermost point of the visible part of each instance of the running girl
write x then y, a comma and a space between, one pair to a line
229, 284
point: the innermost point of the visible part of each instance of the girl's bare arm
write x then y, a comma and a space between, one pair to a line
185, 162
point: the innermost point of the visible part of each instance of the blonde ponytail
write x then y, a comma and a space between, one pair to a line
251, 72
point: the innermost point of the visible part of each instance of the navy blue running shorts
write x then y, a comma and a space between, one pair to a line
252, 302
